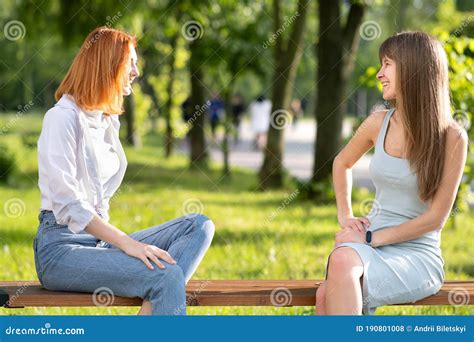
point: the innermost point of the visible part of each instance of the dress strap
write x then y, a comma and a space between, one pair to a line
383, 129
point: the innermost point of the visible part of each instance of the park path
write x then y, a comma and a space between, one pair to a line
298, 156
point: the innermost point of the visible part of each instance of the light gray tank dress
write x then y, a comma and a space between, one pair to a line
403, 272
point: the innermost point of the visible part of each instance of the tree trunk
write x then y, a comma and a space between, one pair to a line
336, 47
148, 89
132, 137
198, 155
169, 136
227, 127
286, 63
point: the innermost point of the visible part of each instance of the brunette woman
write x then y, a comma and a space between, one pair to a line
393, 255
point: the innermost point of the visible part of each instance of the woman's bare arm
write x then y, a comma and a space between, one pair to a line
362, 141
104, 231
436, 216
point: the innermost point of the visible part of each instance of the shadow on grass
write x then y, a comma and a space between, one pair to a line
160, 177
226, 237
465, 268
18, 237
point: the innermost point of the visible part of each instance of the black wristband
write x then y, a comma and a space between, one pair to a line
368, 237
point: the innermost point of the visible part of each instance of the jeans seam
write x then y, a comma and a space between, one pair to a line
166, 276
39, 271
159, 230
188, 238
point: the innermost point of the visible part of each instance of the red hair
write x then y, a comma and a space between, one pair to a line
95, 78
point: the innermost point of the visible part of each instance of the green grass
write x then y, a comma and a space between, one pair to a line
255, 237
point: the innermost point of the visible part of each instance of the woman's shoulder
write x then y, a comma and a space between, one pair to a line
372, 124
62, 115
456, 135
377, 116
456, 130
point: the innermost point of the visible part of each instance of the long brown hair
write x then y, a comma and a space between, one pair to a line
423, 103
95, 78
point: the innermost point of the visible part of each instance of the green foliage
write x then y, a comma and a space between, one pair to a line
7, 162
259, 235
460, 52
142, 107
29, 139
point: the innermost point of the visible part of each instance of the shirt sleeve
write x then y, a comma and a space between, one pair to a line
58, 150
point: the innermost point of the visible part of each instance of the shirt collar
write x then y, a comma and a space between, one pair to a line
67, 101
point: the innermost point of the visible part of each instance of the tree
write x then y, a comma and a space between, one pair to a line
235, 38
287, 55
198, 154
460, 52
336, 50
161, 44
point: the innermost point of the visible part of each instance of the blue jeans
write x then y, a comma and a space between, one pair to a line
81, 263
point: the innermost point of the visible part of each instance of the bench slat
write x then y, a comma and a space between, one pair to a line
214, 293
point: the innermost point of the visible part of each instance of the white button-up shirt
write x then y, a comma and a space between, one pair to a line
81, 163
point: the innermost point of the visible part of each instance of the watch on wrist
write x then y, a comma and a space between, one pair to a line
368, 238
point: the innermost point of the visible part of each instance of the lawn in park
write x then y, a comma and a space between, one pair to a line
258, 235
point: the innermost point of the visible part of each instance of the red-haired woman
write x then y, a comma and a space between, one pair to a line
393, 255
81, 165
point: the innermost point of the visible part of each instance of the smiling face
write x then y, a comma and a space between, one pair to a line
131, 72
387, 76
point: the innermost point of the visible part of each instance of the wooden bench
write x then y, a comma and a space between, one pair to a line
20, 294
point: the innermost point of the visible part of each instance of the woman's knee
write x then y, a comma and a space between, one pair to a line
204, 226
167, 291
171, 276
344, 261
321, 294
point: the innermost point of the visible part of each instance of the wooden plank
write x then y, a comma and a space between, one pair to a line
215, 293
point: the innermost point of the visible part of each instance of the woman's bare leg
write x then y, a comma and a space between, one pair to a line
145, 310
343, 289
321, 299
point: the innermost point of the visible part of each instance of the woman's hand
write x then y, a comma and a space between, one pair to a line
349, 235
104, 231
146, 253
356, 223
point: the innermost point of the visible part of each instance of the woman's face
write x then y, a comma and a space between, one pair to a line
131, 72
387, 76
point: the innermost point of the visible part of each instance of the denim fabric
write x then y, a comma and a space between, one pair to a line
66, 261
